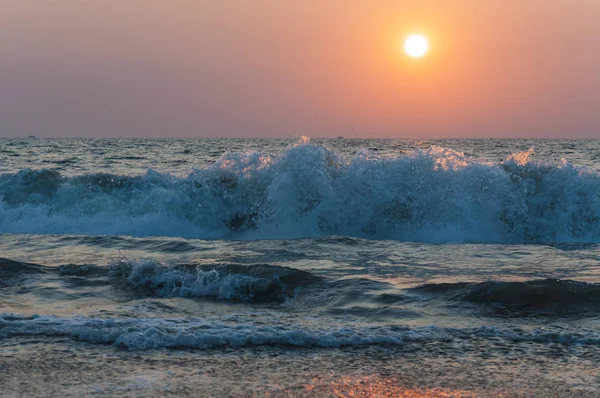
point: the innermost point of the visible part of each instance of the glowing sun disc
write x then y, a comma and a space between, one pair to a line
416, 46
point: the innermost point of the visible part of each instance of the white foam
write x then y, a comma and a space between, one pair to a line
143, 334
171, 281
432, 195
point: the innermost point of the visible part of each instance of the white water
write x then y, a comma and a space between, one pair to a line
433, 195
143, 334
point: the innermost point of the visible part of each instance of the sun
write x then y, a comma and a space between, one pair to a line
416, 46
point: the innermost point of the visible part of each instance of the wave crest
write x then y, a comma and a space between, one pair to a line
144, 334
259, 282
551, 293
431, 195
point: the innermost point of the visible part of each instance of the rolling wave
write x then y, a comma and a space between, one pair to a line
256, 282
12, 268
431, 195
144, 334
259, 282
543, 293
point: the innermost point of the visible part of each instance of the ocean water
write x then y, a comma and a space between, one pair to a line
238, 267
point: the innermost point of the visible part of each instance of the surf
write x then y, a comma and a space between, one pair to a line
433, 195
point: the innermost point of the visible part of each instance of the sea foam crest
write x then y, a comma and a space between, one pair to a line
432, 195
224, 281
143, 334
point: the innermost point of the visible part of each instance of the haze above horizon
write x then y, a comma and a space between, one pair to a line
158, 68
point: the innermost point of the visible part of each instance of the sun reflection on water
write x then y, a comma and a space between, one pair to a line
378, 387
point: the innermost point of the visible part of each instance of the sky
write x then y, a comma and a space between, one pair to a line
272, 68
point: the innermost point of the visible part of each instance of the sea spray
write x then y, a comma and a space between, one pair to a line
431, 195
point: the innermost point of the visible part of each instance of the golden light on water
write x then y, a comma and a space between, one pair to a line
416, 46
376, 387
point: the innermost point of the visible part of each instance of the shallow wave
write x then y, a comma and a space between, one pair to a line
261, 282
566, 294
431, 195
254, 282
143, 334
10, 268
257, 282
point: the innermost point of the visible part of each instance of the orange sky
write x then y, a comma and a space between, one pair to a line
272, 68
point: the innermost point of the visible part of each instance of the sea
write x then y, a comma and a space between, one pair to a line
298, 267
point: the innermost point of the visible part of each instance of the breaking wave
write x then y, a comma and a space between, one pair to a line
144, 334
257, 282
431, 195
260, 282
